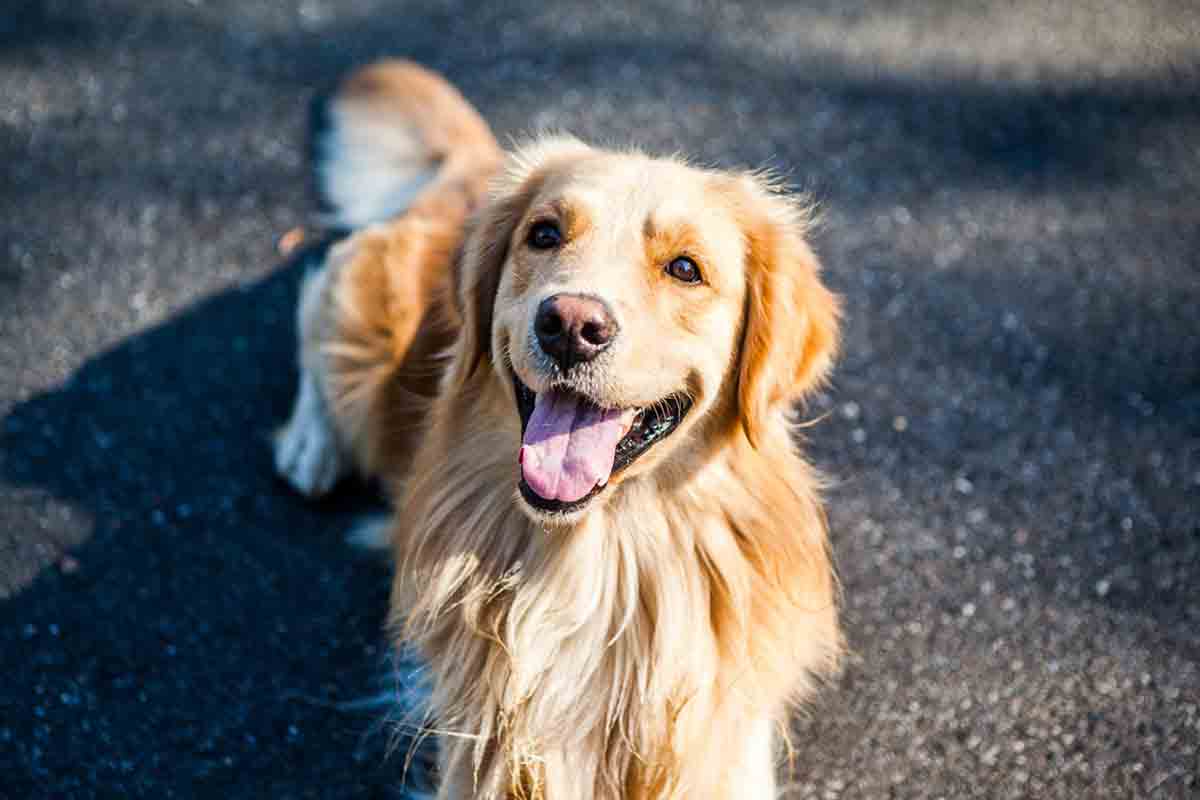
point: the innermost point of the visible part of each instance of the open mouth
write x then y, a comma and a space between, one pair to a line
571, 447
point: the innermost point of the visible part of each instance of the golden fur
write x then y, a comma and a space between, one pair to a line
650, 644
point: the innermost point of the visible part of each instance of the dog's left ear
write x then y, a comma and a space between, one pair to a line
476, 275
790, 333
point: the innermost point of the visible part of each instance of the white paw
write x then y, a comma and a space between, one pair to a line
307, 452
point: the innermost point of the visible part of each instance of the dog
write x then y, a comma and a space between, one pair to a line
575, 371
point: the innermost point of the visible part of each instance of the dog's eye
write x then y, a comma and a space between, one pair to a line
684, 269
544, 236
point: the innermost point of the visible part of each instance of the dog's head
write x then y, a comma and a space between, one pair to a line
632, 305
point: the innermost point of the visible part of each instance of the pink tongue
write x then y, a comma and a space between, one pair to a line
569, 446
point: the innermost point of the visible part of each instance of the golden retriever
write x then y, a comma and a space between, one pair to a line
574, 370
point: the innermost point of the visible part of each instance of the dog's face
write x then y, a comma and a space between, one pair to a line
625, 301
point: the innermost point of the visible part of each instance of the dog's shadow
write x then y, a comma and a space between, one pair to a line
209, 627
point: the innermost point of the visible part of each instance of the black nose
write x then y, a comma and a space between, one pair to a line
573, 328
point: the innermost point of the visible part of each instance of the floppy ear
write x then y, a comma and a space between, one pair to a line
476, 275
790, 332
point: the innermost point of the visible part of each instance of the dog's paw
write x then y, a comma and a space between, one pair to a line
307, 452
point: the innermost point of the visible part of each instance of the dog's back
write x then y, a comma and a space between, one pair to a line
401, 159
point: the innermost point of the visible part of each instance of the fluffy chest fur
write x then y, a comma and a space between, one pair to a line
582, 662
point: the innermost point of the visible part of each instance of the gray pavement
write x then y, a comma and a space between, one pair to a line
1011, 195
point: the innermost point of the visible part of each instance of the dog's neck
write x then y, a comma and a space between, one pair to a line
626, 635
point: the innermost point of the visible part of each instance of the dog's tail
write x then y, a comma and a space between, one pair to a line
394, 136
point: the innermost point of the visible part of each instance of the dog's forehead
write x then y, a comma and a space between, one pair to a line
633, 184
625, 195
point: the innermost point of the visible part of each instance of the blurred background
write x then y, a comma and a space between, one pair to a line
1011, 197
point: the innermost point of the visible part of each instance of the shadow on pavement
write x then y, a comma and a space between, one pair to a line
204, 633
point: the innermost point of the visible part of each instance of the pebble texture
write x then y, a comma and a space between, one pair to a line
1012, 214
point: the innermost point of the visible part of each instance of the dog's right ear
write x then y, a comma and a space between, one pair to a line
476, 275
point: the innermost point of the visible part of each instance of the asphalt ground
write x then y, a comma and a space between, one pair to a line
1012, 215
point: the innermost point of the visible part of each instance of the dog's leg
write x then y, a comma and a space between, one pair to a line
308, 453
372, 333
